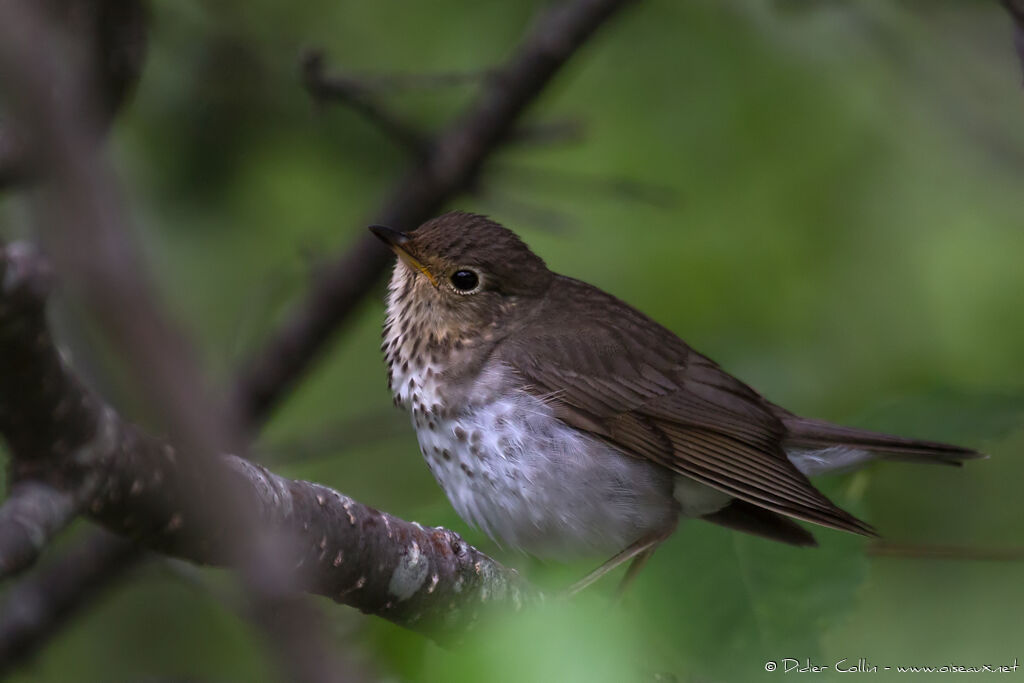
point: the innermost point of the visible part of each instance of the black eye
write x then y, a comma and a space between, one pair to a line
465, 280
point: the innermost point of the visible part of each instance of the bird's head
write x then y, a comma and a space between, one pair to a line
462, 273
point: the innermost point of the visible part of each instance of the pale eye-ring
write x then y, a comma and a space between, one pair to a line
465, 281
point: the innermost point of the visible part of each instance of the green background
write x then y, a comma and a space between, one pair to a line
825, 197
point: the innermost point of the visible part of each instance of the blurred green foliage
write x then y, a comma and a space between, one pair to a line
845, 233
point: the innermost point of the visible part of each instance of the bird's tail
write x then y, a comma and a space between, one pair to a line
809, 435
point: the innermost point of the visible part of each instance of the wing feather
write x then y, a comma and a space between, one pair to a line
634, 384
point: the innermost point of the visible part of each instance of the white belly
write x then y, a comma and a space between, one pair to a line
532, 482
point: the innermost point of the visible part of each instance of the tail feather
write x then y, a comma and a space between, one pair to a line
809, 433
753, 519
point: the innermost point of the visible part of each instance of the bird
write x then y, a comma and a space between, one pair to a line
565, 423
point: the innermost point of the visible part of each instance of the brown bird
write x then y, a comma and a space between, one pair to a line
563, 421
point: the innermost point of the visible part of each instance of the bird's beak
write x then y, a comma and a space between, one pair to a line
398, 241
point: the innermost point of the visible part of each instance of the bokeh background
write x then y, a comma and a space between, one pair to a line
825, 197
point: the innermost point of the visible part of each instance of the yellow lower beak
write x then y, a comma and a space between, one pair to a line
407, 257
397, 241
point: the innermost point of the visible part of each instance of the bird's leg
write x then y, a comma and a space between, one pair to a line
633, 571
641, 550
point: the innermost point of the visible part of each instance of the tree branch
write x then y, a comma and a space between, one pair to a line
359, 93
115, 34
449, 168
1016, 10
39, 605
944, 552
31, 515
358, 97
87, 232
426, 579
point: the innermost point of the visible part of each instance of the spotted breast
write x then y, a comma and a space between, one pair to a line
506, 463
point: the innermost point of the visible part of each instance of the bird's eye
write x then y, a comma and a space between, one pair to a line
464, 280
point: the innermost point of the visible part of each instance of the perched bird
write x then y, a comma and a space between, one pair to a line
562, 421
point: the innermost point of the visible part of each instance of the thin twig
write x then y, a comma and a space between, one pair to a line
360, 99
382, 84
361, 95
945, 552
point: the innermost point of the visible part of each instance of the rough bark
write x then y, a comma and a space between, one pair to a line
72, 452
138, 486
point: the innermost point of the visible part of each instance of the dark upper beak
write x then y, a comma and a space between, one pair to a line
398, 241
390, 237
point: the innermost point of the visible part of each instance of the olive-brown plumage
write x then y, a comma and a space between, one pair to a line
573, 395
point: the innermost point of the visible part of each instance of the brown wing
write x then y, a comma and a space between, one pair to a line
610, 370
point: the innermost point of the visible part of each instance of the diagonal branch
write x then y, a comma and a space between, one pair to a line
450, 168
39, 605
88, 234
144, 488
1016, 11
32, 513
361, 94
358, 97
115, 33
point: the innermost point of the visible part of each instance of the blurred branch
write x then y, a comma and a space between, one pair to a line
359, 93
39, 606
449, 168
358, 97
115, 34
1016, 10
121, 31
391, 83
87, 232
944, 552
31, 515
13, 169
426, 579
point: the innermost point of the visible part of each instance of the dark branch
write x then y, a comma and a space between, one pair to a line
1016, 10
39, 606
359, 98
450, 168
361, 94
31, 515
115, 35
944, 552
89, 238
120, 28
13, 167
144, 488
